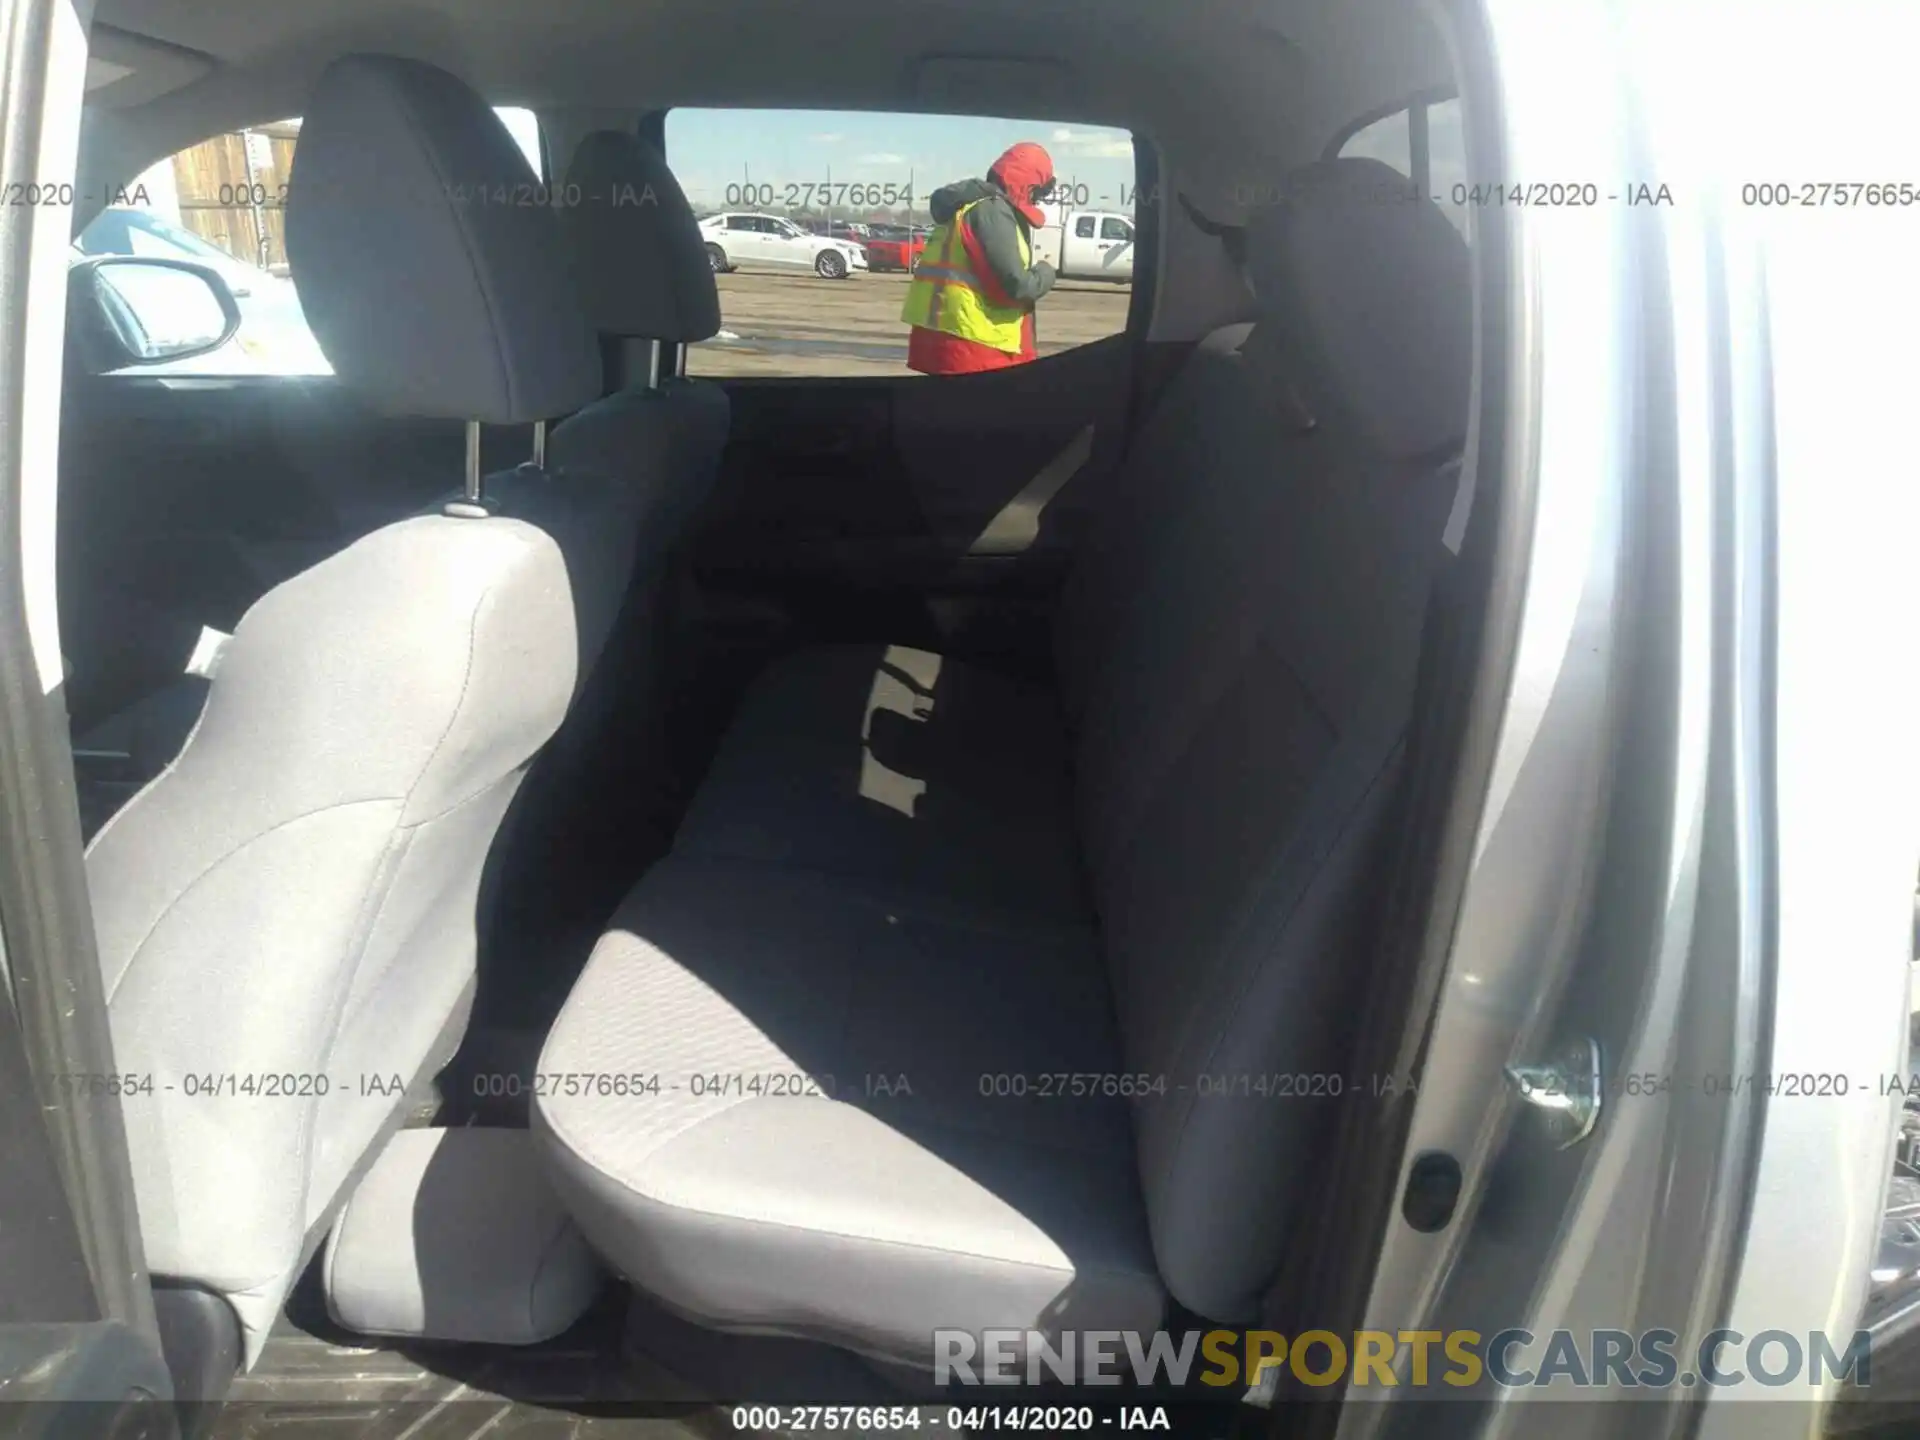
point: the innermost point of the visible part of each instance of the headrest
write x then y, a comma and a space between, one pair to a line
429, 266
1370, 290
638, 256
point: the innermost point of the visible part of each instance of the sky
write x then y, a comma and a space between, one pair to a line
525, 129
716, 153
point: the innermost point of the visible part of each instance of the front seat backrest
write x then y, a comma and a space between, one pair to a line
602, 801
646, 283
286, 914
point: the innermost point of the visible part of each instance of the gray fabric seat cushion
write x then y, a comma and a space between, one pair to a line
855, 1215
895, 765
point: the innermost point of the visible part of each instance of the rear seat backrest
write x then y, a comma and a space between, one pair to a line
1152, 486
1238, 661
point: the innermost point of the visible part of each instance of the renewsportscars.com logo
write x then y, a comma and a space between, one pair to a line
1444, 1361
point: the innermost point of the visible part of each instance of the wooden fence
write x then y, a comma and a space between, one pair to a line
232, 192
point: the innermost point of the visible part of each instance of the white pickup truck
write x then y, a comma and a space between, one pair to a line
1087, 244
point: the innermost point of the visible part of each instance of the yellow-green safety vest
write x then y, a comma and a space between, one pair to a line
947, 296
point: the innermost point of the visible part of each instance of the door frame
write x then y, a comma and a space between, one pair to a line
92, 1336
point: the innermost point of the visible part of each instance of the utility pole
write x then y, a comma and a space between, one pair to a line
262, 246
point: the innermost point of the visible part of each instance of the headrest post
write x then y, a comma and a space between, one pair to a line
473, 462
680, 360
653, 365
539, 444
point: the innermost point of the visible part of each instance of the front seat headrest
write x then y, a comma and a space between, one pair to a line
639, 259
1370, 289
430, 266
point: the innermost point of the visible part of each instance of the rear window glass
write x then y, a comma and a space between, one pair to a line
1426, 143
1388, 140
1447, 161
815, 220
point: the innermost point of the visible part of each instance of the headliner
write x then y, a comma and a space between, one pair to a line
1279, 76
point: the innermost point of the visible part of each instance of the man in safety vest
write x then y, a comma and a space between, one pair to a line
973, 291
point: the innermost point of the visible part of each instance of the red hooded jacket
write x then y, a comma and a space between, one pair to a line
988, 231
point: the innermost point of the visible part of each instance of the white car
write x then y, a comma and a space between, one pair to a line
736, 239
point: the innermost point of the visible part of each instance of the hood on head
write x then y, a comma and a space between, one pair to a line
1019, 171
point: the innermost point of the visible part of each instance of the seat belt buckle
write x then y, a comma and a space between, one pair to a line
207, 650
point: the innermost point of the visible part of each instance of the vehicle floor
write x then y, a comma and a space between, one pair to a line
625, 1369
319, 1383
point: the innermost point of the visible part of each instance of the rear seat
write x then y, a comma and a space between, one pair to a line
901, 866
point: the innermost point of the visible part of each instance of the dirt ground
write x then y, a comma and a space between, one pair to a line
798, 324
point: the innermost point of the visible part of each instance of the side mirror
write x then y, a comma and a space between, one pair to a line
126, 310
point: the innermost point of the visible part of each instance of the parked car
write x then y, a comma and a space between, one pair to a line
844, 229
895, 247
735, 239
1088, 245
274, 337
